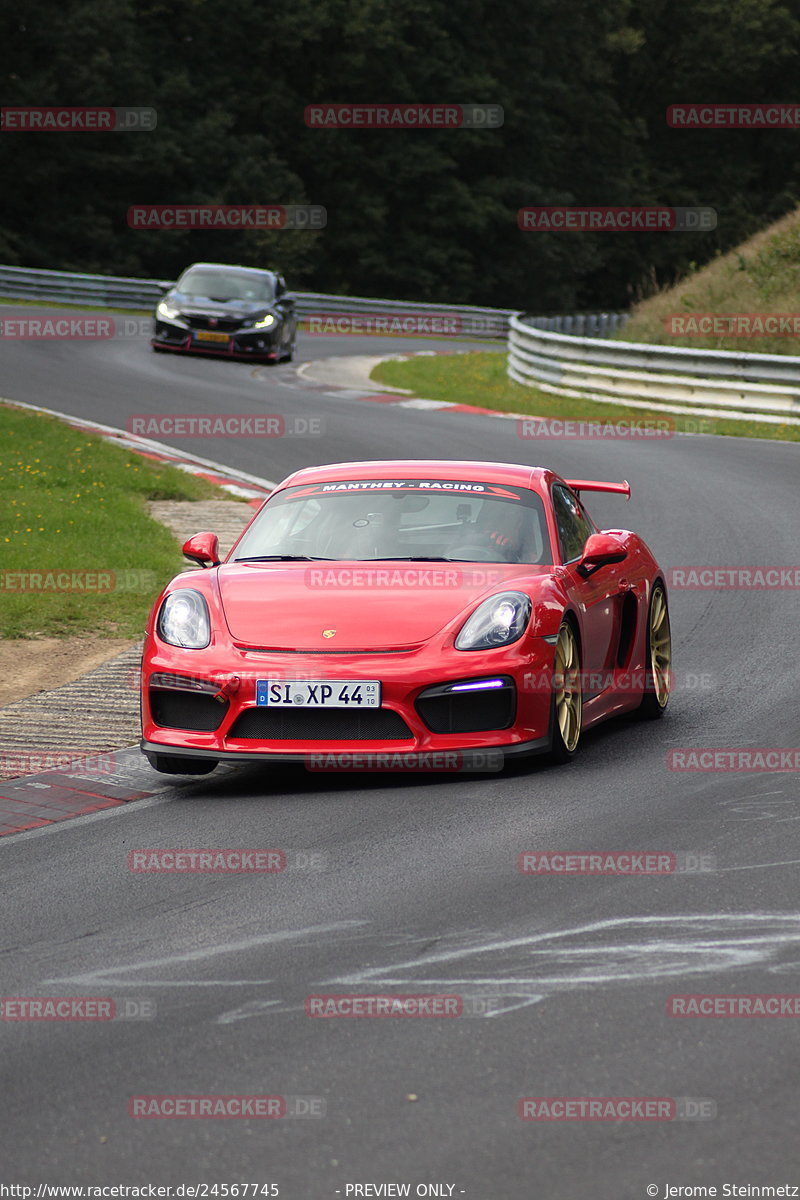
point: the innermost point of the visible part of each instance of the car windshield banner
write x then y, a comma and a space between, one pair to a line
467, 487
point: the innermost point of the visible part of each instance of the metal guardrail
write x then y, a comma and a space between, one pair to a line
599, 325
108, 291
569, 355
405, 315
674, 378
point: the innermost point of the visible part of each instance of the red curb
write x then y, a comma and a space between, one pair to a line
47, 798
164, 458
473, 408
61, 804
16, 808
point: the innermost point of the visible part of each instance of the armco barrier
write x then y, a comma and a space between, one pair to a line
757, 386
569, 354
107, 291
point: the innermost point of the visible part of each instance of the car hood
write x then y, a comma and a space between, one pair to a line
369, 606
201, 306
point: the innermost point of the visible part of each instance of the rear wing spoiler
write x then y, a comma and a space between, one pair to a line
594, 485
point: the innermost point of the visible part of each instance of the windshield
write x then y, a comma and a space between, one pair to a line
368, 520
226, 285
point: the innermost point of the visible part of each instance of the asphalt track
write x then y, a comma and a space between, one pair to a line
418, 890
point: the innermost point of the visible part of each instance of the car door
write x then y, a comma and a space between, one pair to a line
597, 598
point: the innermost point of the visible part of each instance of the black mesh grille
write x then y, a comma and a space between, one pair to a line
468, 712
186, 710
221, 324
321, 725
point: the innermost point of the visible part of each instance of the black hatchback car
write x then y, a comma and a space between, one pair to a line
239, 312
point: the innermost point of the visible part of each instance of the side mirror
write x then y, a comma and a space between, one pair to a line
164, 286
203, 548
600, 550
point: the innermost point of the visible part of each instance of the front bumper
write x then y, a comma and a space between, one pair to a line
521, 727
242, 343
355, 760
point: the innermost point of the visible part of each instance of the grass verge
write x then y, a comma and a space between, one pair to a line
480, 378
758, 277
73, 503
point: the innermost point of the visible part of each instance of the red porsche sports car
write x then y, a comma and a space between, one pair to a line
411, 611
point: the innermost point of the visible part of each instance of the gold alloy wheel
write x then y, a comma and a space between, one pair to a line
567, 685
660, 647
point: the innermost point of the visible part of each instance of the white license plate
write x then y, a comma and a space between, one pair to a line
318, 693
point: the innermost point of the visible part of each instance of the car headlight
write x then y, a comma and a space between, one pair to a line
264, 322
498, 621
168, 311
183, 620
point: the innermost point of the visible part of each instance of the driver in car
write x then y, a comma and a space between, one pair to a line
488, 541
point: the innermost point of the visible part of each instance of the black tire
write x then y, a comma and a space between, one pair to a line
290, 353
657, 671
563, 749
173, 764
